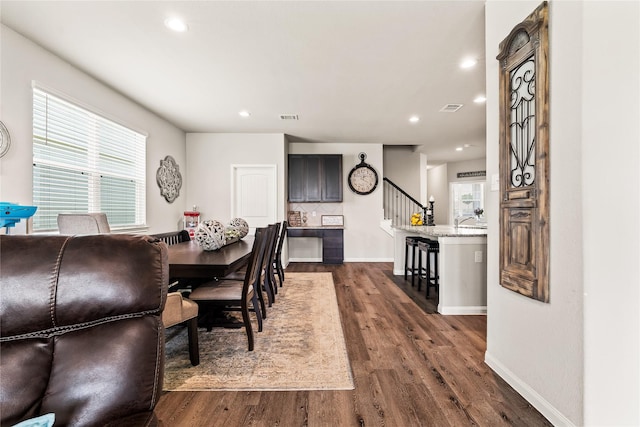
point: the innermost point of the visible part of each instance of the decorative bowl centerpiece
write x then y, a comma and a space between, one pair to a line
240, 225
236, 230
210, 235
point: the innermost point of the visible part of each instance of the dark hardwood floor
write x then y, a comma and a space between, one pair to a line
411, 367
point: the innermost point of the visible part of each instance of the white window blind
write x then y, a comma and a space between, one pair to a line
83, 162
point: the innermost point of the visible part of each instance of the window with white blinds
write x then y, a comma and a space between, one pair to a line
83, 162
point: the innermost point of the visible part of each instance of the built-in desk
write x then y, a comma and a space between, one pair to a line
332, 241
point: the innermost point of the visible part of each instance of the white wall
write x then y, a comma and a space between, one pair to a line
21, 63
438, 187
407, 169
610, 158
453, 168
364, 240
209, 160
536, 347
439, 178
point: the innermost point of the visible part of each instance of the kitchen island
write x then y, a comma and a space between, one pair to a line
462, 265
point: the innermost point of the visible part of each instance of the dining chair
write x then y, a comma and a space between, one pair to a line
258, 286
270, 279
278, 261
173, 237
178, 309
233, 295
83, 223
266, 277
182, 311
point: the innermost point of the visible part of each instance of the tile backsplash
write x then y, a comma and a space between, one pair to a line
319, 209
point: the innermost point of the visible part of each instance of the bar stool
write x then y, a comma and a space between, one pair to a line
411, 242
429, 247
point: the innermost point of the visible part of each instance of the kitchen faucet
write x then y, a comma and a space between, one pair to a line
460, 220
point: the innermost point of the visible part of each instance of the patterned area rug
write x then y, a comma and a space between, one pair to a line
301, 346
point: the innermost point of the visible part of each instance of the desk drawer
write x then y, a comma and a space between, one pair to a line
304, 232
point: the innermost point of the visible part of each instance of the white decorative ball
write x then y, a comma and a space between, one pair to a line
240, 225
210, 235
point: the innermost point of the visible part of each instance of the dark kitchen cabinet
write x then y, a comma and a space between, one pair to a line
315, 177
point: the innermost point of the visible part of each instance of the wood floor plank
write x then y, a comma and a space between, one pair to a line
411, 367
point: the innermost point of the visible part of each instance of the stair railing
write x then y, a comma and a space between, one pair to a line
399, 206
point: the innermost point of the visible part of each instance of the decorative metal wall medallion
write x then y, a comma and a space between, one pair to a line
169, 179
5, 140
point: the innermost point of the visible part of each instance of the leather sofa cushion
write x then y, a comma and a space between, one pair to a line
81, 329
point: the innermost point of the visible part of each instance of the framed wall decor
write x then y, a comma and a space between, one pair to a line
169, 179
294, 219
524, 157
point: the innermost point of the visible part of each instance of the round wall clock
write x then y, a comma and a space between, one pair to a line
363, 178
5, 140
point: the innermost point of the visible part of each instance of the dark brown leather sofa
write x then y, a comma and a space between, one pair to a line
81, 334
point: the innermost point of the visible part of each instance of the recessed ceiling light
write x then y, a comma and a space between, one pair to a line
244, 113
414, 119
468, 63
176, 24
480, 99
458, 148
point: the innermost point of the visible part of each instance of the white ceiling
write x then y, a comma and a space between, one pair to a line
354, 71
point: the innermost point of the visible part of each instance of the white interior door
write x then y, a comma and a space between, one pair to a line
254, 194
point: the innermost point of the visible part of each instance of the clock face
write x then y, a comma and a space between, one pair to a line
363, 179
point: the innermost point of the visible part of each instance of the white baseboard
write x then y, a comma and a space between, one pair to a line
554, 416
368, 260
462, 310
346, 260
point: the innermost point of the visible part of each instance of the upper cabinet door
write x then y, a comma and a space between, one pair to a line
332, 178
297, 189
315, 178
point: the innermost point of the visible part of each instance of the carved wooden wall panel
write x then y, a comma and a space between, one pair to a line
524, 157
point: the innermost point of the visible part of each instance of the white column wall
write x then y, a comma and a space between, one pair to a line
576, 358
610, 205
537, 347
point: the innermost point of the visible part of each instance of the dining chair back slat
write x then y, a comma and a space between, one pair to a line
277, 265
173, 237
270, 280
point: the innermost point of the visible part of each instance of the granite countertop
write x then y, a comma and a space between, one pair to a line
445, 230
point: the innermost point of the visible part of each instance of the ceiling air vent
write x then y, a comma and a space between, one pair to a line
450, 108
288, 117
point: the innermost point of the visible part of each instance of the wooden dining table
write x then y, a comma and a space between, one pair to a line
188, 260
